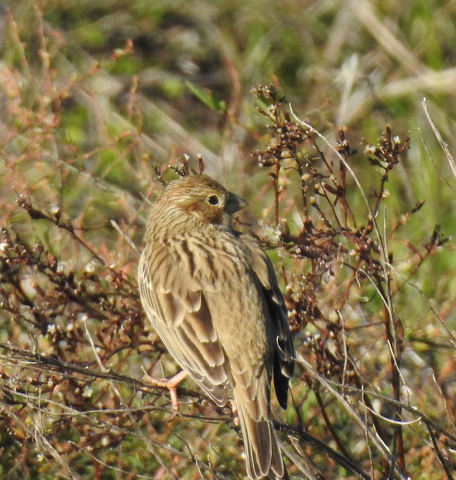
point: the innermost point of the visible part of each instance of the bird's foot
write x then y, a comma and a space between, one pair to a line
170, 384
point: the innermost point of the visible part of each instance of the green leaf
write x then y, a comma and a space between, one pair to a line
207, 97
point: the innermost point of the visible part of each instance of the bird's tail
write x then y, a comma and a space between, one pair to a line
262, 451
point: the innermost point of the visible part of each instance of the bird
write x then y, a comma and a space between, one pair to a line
212, 296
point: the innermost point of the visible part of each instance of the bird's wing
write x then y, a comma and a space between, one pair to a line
173, 298
284, 354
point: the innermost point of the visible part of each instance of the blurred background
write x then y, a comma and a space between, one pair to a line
99, 98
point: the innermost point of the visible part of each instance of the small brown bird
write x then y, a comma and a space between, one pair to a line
213, 298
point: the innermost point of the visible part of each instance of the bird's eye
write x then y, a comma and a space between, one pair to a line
213, 199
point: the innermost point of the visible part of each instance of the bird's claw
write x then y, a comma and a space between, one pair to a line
170, 384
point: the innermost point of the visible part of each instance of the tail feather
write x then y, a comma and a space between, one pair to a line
262, 451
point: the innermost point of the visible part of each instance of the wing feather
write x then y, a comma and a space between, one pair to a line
284, 352
182, 319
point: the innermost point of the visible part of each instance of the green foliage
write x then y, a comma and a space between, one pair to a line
207, 97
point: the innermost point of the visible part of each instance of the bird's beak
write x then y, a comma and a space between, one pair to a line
234, 203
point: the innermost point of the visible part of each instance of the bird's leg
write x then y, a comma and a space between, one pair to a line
168, 383
235, 412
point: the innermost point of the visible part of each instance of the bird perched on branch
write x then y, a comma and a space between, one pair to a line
211, 294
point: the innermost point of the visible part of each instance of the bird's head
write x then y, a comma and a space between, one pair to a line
203, 197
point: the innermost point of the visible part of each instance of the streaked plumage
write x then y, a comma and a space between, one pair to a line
212, 296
